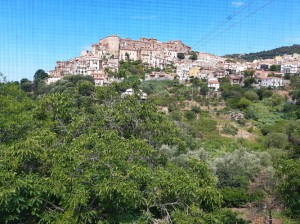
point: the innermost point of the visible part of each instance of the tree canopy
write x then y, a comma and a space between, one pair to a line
81, 158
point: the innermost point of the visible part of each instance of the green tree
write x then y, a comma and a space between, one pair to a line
276, 140
275, 68
243, 103
236, 168
204, 90
264, 93
66, 164
276, 100
180, 56
26, 85
293, 132
15, 110
190, 115
80, 154
249, 81
40, 75
193, 56
76, 78
289, 185
85, 88
251, 95
249, 73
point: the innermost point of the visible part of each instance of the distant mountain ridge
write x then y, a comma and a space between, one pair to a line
267, 54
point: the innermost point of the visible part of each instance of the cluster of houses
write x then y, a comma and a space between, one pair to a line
212, 68
106, 55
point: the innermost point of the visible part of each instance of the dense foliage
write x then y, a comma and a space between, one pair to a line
267, 54
93, 157
75, 153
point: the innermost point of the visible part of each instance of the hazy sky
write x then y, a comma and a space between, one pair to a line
36, 33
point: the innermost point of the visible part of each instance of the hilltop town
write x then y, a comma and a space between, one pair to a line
112, 49
104, 58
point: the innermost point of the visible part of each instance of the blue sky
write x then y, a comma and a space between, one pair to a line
35, 34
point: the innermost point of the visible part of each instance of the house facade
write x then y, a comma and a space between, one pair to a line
271, 82
213, 84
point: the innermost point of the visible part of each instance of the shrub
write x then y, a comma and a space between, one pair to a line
276, 140
176, 115
180, 55
276, 100
234, 197
251, 95
243, 103
196, 109
190, 115
278, 127
230, 129
236, 168
250, 130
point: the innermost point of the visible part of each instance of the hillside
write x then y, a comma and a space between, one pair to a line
73, 152
267, 54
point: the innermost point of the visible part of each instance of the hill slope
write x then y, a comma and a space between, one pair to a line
267, 54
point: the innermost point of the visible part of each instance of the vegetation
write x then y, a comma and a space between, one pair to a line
75, 153
267, 54
180, 55
193, 56
89, 156
275, 68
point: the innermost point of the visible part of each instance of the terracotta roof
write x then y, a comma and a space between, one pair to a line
128, 49
212, 81
234, 77
272, 77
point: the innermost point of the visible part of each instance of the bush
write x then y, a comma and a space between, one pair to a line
196, 109
76, 78
234, 197
251, 95
180, 55
204, 127
276, 140
278, 127
243, 103
230, 129
176, 115
289, 173
262, 113
236, 168
250, 130
193, 56
190, 115
276, 100
263, 93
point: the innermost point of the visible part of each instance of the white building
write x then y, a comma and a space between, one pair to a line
130, 92
182, 71
213, 84
53, 79
289, 68
272, 82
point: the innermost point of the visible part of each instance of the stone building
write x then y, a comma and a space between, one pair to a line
110, 50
